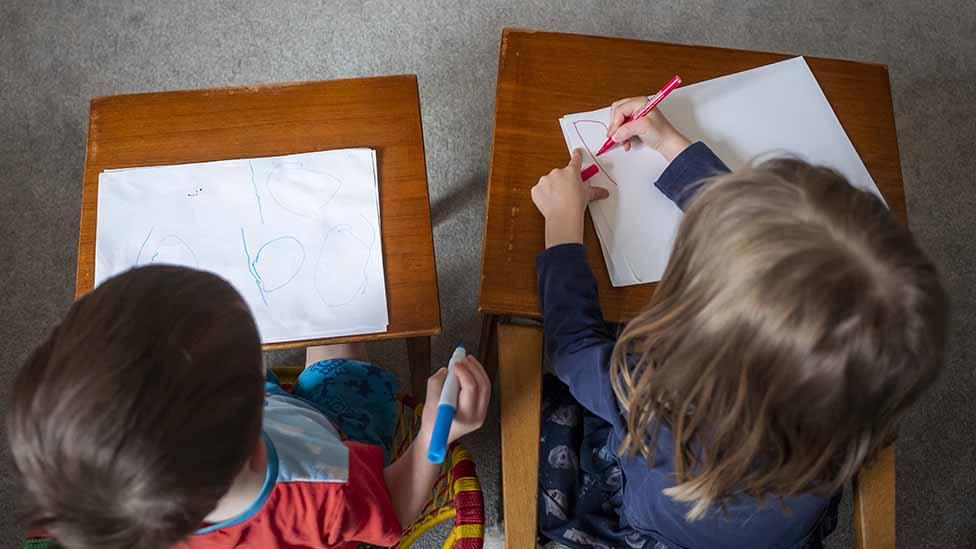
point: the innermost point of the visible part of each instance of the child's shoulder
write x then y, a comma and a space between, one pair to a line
740, 521
306, 445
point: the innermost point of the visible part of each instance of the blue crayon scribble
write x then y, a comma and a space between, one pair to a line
252, 264
257, 258
254, 185
250, 269
139, 255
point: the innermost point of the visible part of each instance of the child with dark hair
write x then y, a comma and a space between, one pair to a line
796, 322
145, 420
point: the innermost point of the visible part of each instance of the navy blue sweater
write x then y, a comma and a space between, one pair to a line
579, 344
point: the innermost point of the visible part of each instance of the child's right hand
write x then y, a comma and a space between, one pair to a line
472, 404
653, 130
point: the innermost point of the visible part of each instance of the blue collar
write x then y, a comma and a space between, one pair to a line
270, 477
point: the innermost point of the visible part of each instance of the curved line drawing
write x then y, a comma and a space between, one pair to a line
169, 245
301, 261
594, 210
254, 186
253, 266
359, 290
589, 150
320, 187
143, 246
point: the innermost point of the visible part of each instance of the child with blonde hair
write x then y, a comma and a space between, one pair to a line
795, 323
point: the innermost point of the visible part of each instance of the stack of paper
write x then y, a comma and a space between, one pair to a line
298, 235
770, 111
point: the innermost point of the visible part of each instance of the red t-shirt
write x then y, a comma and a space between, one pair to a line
319, 491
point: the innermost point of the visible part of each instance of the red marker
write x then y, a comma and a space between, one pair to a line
658, 97
589, 172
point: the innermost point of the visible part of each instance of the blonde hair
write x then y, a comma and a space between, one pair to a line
796, 321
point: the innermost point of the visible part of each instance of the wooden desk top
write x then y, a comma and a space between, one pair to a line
543, 76
217, 124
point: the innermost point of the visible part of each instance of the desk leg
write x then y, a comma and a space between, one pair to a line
874, 502
520, 389
418, 357
487, 350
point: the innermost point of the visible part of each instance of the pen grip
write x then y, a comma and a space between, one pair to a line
442, 429
446, 408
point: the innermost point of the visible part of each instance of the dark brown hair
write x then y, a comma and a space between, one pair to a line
795, 323
134, 417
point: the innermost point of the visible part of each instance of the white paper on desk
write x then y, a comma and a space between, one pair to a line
770, 111
298, 235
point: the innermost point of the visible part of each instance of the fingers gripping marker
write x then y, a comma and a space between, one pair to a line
589, 172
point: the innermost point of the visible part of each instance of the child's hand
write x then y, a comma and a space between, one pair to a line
654, 129
411, 477
472, 400
562, 197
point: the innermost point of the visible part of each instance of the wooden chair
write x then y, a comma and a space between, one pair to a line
520, 385
456, 495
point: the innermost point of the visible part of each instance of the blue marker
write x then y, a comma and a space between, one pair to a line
445, 410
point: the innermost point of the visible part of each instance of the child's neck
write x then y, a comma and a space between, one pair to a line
244, 490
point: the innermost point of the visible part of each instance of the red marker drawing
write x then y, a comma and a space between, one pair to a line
658, 97
589, 172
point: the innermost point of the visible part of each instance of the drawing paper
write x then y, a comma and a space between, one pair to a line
774, 110
298, 235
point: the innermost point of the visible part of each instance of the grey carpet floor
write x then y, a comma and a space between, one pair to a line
54, 56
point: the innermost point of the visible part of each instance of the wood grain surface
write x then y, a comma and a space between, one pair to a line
543, 76
874, 502
382, 113
520, 391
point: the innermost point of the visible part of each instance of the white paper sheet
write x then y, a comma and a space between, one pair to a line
298, 235
745, 117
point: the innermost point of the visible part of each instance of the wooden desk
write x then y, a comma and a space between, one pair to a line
193, 126
542, 76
